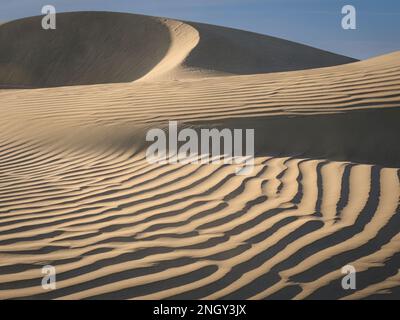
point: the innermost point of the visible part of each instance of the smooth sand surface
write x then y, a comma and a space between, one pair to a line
76, 191
104, 47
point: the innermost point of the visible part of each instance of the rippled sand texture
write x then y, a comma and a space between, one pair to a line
76, 191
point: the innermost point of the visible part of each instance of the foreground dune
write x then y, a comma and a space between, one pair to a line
76, 191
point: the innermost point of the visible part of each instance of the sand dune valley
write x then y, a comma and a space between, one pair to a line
77, 193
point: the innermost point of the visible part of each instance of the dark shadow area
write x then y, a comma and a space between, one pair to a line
241, 52
85, 48
367, 136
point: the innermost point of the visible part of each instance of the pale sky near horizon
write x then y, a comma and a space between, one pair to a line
313, 22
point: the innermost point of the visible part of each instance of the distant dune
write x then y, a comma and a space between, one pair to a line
76, 191
99, 47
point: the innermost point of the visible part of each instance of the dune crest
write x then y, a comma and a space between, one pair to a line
105, 47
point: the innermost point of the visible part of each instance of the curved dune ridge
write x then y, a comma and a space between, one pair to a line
77, 193
104, 47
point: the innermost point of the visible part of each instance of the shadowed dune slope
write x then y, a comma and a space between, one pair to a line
235, 51
76, 191
104, 47
85, 48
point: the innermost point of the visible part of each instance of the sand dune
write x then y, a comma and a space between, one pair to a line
100, 47
76, 190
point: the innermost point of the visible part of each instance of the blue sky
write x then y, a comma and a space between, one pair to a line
313, 22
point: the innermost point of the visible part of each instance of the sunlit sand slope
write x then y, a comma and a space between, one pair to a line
76, 191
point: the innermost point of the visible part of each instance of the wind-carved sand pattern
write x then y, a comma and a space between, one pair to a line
76, 191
